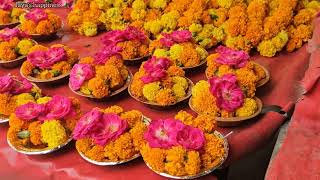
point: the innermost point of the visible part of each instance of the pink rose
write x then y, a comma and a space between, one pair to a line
29, 111
114, 127
181, 36
36, 15
21, 85
59, 107
231, 57
6, 5
156, 75
154, 63
6, 83
133, 33
63, 2
39, 59
191, 138
88, 124
79, 74
104, 54
163, 133
227, 92
7, 34
56, 54
113, 37
166, 40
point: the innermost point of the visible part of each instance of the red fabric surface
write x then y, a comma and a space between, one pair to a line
286, 70
299, 155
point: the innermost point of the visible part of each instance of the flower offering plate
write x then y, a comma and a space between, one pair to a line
3, 119
203, 173
266, 79
158, 106
135, 61
54, 80
233, 121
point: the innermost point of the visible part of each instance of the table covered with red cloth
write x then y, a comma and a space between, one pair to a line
286, 70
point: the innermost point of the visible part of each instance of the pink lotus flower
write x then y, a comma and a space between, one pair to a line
231, 57
104, 54
36, 15
56, 54
21, 85
191, 138
79, 74
154, 63
6, 83
133, 33
228, 94
163, 133
113, 37
88, 124
6, 5
29, 111
156, 75
59, 107
114, 127
39, 59
7, 34
179, 36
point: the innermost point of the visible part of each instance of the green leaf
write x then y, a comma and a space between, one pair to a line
56, 73
214, 17
24, 134
35, 71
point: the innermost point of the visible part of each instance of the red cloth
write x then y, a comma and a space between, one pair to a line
299, 155
286, 70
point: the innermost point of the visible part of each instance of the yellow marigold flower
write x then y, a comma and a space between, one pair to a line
181, 81
151, 90
7, 52
43, 100
114, 14
62, 66
103, 4
195, 28
46, 74
165, 97
266, 48
15, 13
159, 53
137, 131
35, 133
153, 27
248, 108
219, 33
193, 164
175, 51
24, 98
138, 14
132, 117
185, 117
155, 157
202, 52
89, 29
98, 88
158, 4
83, 145
38, 47
24, 46
114, 109
95, 153
313, 5
53, 133
85, 89
280, 40
169, 21
178, 91
74, 19
26, 68
200, 87
238, 43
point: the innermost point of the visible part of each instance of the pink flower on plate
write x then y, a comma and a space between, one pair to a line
133, 33
88, 124
39, 59
56, 54
156, 75
104, 54
228, 94
63, 2
113, 127
181, 36
36, 15
166, 40
29, 111
7, 34
80, 73
59, 107
231, 57
113, 37
163, 133
21, 85
6, 83
6, 5
191, 138
154, 63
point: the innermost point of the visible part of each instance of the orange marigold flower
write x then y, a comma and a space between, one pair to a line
205, 122
175, 71
109, 152
155, 157
298, 35
152, 14
14, 42
7, 104
137, 131
126, 13
165, 97
137, 84
98, 87
13, 138
175, 161
55, 21
206, 18
167, 83
86, 60
35, 133
222, 14
84, 145
143, 50
38, 47
29, 27
96, 153
116, 61
26, 68
185, 117
154, 45
62, 66
130, 49
213, 151
4, 17
226, 114
259, 72
114, 109
124, 147
193, 164
132, 117
111, 74
82, 5
7, 52
16, 123
45, 27
92, 15
189, 56
237, 20
224, 69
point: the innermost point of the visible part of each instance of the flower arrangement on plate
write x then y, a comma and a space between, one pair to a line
227, 60
44, 126
9, 16
15, 91
109, 136
179, 47
159, 83
132, 42
14, 46
49, 64
101, 76
184, 147
40, 23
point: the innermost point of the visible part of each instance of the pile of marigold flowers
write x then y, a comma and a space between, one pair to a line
133, 42
159, 81
45, 63
109, 135
184, 146
9, 14
180, 48
40, 21
231, 87
14, 44
100, 75
268, 26
44, 124
16, 91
